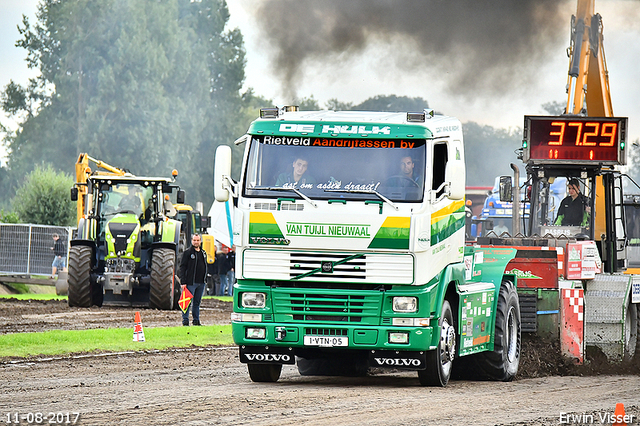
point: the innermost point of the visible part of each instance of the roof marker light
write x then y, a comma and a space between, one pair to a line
268, 112
416, 117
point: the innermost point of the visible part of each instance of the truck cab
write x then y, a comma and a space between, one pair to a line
350, 236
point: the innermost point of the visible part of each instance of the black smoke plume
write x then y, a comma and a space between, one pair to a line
472, 47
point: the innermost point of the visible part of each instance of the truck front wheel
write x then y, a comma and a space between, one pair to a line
79, 278
440, 360
264, 372
502, 363
161, 293
631, 332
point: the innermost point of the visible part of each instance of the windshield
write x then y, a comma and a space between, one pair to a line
557, 210
125, 198
632, 219
323, 168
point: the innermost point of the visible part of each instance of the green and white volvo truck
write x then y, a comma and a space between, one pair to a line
350, 231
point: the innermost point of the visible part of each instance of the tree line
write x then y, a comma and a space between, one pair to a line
151, 86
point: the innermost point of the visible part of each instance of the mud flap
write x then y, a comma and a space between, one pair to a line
412, 360
266, 355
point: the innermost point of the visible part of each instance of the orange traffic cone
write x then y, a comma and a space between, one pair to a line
619, 415
138, 333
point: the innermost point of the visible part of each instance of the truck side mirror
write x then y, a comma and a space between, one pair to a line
455, 175
205, 222
180, 197
506, 188
221, 172
74, 194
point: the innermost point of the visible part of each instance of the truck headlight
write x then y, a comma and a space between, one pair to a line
399, 338
253, 300
405, 304
256, 333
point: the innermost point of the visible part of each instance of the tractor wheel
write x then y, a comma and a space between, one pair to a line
161, 293
440, 360
631, 328
79, 277
502, 363
264, 372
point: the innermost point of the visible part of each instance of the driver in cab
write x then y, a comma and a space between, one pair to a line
574, 209
298, 176
131, 201
407, 176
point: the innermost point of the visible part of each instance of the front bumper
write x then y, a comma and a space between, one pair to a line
331, 337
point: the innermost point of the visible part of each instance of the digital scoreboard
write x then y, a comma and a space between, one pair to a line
574, 140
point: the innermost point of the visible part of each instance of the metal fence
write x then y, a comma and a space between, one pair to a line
28, 249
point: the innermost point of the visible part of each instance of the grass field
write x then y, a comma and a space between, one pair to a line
62, 342
33, 296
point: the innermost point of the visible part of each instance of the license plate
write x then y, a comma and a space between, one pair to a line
326, 341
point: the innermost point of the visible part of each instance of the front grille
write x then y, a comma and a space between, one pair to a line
117, 265
314, 306
334, 268
303, 264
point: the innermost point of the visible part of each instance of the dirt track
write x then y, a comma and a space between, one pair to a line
209, 385
197, 387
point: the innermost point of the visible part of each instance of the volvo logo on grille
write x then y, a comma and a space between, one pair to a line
327, 267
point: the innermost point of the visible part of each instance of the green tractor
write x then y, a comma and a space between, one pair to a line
126, 247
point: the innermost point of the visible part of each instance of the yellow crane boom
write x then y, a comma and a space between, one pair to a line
588, 80
83, 171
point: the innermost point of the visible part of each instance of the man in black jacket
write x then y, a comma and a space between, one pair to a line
193, 274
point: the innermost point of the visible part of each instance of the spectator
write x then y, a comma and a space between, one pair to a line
231, 275
59, 256
193, 273
226, 270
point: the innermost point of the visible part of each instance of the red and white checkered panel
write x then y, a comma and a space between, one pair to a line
572, 324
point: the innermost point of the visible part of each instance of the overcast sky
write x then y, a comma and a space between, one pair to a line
368, 72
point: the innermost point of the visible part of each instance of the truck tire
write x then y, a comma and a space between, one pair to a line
502, 363
79, 277
440, 360
636, 358
631, 332
161, 291
264, 372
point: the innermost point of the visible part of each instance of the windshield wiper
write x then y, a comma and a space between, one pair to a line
280, 188
365, 191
